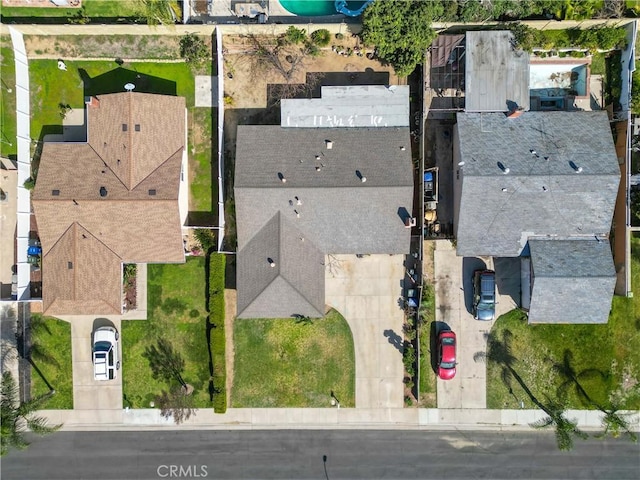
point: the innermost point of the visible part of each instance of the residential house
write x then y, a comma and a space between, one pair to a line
334, 178
111, 200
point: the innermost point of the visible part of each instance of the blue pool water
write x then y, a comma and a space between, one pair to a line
316, 8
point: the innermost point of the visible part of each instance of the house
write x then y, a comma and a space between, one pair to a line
541, 186
341, 183
111, 200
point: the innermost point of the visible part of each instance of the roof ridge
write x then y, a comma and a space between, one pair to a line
129, 138
97, 239
107, 166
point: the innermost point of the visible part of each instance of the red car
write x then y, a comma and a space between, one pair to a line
447, 355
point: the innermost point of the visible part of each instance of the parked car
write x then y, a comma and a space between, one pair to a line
446, 355
106, 361
484, 294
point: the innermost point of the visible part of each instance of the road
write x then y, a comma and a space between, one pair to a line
319, 454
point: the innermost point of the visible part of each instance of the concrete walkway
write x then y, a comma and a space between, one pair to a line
366, 291
318, 418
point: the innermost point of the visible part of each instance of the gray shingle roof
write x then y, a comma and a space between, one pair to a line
538, 196
495, 72
332, 209
293, 286
573, 280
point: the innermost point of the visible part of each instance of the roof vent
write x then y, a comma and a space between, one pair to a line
329, 144
360, 176
103, 192
318, 168
124, 127
318, 157
504, 169
297, 213
298, 201
70, 265
152, 191
363, 179
403, 148
55, 193
137, 127
281, 177
271, 262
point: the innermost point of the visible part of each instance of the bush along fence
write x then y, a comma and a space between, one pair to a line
593, 39
216, 331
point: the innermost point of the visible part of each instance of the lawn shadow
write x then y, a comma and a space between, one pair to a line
115, 80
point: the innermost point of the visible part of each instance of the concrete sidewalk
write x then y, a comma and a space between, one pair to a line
318, 418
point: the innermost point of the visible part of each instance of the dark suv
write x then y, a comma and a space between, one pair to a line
484, 294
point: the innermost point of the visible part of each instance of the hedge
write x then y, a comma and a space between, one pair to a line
217, 264
593, 39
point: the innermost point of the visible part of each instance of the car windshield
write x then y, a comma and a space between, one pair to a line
102, 346
447, 365
448, 341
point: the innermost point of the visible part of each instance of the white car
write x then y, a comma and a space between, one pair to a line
106, 361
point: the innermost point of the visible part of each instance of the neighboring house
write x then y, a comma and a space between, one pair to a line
110, 201
542, 186
304, 193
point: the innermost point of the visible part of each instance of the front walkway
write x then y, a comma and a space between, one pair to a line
367, 292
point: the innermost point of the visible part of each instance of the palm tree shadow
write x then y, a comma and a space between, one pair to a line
499, 351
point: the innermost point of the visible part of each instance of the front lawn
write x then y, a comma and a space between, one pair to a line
8, 143
605, 358
177, 313
51, 361
287, 363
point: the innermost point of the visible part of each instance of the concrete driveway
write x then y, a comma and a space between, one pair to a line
90, 394
367, 292
454, 292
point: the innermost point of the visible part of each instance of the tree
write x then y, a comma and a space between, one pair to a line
499, 351
193, 49
17, 417
166, 364
400, 31
176, 404
159, 12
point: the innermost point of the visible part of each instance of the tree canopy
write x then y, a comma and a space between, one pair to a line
401, 31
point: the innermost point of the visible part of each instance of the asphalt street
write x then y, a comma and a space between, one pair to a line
318, 454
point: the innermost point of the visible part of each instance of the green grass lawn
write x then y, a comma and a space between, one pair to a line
602, 355
203, 187
50, 86
427, 387
51, 357
281, 363
176, 312
8, 103
93, 8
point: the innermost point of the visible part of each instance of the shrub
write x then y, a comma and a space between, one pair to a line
295, 35
205, 237
193, 49
339, 36
29, 183
216, 321
321, 37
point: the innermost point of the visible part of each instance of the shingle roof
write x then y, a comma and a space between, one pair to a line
332, 209
263, 288
495, 72
126, 200
573, 280
498, 211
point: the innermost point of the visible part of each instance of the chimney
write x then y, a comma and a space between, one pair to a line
92, 101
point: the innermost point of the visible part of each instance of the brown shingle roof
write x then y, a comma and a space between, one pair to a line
126, 205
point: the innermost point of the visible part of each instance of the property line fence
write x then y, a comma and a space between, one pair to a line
220, 65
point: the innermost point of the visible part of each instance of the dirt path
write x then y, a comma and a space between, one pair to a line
229, 317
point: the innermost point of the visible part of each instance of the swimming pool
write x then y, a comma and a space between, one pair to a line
317, 8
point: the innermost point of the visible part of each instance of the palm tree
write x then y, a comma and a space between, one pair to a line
17, 417
613, 422
499, 351
159, 12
